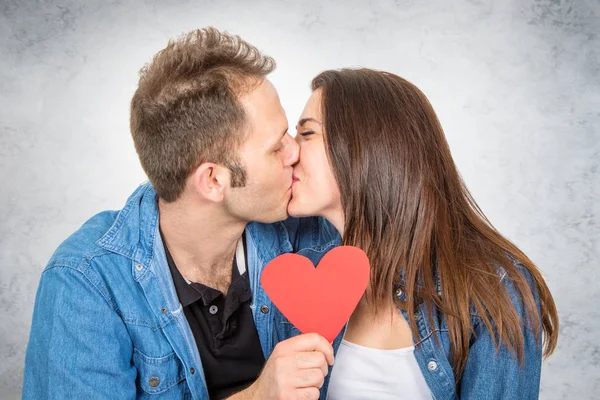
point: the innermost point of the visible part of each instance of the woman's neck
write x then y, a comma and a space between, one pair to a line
386, 329
336, 217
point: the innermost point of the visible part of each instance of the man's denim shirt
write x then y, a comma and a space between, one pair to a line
107, 322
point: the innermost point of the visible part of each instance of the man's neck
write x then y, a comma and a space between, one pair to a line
202, 241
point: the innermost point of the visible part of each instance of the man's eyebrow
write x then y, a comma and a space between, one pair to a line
281, 137
305, 120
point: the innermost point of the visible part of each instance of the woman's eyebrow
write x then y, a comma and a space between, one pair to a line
305, 120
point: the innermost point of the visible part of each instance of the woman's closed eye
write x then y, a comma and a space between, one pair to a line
306, 133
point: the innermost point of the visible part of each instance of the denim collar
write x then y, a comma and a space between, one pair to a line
133, 233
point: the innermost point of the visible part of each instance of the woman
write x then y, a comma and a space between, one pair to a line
453, 309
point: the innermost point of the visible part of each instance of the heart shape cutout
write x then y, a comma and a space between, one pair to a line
318, 299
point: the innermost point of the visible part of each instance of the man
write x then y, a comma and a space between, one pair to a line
162, 299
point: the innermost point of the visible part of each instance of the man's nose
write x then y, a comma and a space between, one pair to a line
294, 154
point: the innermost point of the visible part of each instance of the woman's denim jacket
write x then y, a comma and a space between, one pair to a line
489, 373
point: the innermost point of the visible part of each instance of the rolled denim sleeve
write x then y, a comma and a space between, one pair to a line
79, 346
499, 375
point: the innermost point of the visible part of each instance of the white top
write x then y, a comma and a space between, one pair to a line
361, 373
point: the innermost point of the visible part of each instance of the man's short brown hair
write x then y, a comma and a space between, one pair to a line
186, 109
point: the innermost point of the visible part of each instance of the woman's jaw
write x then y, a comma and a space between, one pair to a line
300, 205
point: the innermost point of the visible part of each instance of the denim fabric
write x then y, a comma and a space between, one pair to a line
489, 374
107, 322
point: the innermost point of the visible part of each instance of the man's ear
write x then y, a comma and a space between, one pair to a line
210, 181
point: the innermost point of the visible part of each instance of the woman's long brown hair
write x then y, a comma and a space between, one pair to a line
407, 207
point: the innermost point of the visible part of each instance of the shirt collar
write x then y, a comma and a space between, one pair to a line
190, 292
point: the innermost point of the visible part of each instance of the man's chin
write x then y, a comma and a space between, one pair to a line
281, 215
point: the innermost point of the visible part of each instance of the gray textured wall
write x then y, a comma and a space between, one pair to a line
516, 85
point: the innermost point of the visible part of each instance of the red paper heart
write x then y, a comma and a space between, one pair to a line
318, 299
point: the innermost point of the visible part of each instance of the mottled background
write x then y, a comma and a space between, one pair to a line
516, 85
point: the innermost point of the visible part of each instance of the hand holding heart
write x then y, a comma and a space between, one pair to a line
318, 299
295, 370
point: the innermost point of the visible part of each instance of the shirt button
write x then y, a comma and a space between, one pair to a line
192, 371
432, 366
139, 267
213, 309
264, 309
398, 292
154, 381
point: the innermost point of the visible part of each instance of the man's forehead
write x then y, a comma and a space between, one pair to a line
267, 133
263, 101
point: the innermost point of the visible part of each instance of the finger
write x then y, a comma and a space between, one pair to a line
312, 359
312, 342
304, 378
310, 393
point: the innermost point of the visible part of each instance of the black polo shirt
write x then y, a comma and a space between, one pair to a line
224, 330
